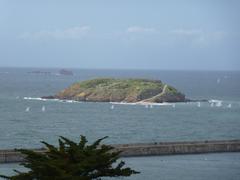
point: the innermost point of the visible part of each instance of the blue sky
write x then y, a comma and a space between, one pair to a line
120, 34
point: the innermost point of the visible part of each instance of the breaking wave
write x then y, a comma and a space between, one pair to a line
143, 103
214, 102
53, 100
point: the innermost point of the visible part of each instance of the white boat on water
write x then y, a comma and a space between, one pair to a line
112, 107
199, 104
27, 109
43, 109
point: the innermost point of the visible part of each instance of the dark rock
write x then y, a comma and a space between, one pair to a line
66, 72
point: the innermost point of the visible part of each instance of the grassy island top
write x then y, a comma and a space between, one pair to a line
112, 83
118, 90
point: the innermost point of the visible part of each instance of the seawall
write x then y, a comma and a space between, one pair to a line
150, 149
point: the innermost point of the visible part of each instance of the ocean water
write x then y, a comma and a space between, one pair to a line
220, 166
19, 91
25, 119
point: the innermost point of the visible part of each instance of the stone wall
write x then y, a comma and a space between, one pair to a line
150, 149
173, 148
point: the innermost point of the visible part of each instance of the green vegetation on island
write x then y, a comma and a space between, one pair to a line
120, 90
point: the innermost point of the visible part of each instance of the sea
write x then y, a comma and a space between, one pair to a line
26, 119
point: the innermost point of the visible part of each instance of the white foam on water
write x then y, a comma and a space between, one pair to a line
123, 103
68, 101
55, 100
32, 98
153, 104
142, 103
229, 106
215, 102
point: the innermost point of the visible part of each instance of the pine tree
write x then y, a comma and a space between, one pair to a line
74, 161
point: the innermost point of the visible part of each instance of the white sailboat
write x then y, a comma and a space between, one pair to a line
199, 104
27, 109
43, 109
112, 107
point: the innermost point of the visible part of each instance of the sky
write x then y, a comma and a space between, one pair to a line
121, 34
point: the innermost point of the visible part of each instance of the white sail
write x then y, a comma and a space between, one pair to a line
27, 109
43, 109
199, 104
112, 107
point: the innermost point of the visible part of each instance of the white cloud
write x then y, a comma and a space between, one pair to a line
187, 32
198, 36
138, 29
69, 33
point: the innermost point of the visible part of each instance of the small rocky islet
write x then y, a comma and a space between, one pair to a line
120, 90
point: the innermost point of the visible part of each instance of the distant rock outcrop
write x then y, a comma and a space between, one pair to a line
66, 72
120, 90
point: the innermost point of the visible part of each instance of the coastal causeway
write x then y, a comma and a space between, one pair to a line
150, 149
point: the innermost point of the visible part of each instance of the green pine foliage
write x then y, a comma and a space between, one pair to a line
72, 161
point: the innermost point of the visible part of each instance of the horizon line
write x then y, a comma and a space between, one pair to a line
127, 69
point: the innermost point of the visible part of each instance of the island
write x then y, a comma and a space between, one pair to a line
65, 72
120, 90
